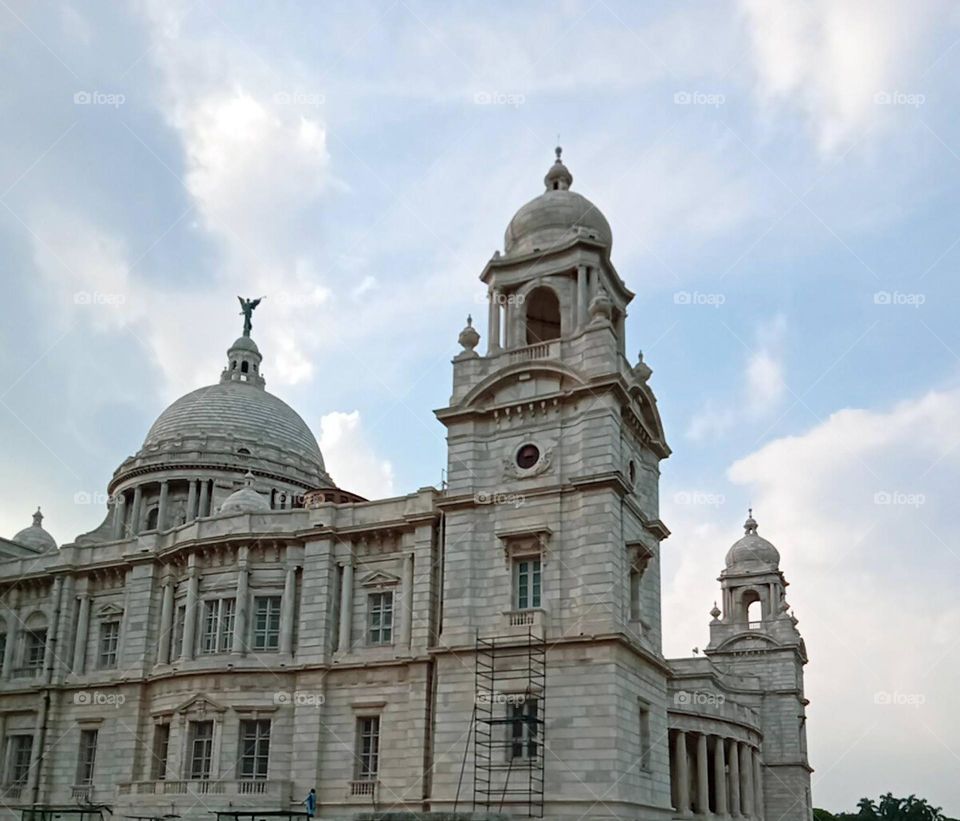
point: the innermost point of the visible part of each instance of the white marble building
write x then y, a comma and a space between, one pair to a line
239, 630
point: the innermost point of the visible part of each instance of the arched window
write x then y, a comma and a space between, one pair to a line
543, 315
153, 517
751, 608
244, 366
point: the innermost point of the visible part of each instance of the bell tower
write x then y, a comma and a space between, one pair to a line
755, 635
551, 505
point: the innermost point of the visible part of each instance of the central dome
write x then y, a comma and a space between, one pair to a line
554, 218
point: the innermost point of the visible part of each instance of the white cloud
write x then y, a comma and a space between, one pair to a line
829, 60
862, 510
350, 457
763, 385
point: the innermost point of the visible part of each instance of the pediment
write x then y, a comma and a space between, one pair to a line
379, 578
107, 611
200, 704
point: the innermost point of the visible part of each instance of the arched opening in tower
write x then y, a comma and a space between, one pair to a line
543, 315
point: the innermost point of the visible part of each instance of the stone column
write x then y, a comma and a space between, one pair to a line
135, 513
581, 296
190, 613
758, 808
703, 784
204, 498
53, 629
287, 607
720, 775
346, 608
12, 635
166, 621
243, 596
162, 506
493, 340
734, 760
83, 627
119, 514
507, 321
192, 501
683, 773
746, 781
407, 630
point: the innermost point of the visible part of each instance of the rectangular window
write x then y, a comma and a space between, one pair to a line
644, 736
217, 633
380, 618
178, 623
635, 576
3, 646
254, 749
34, 647
526, 583
87, 756
109, 642
524, 729
201, 749
161, 748
19, 753
266, 623
368, 748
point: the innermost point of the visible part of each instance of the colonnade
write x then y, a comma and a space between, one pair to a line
714, 775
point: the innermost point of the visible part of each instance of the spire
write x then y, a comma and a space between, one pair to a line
750, 526
558, 177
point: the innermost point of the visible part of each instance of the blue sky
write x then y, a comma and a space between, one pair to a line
782, 184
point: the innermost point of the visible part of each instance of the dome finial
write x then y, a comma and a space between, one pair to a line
558, 177
750, 526
38, 518
247, 307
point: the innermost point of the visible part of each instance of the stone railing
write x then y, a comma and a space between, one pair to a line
541, 350
363, 788
265, 788
518, 622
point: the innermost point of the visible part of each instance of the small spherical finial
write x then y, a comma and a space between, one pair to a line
715, 611
750, 526
558, 151
558, 177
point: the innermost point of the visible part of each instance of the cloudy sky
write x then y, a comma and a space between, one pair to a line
783, 182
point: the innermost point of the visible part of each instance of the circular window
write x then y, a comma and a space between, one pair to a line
528, 456
632, 472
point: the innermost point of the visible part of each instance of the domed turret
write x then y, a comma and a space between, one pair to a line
245, 500
35, 536
554, 218
752, 551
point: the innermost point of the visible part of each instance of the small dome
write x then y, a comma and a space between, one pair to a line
752, 551
557, 216
244, 343
35, 536
245, 500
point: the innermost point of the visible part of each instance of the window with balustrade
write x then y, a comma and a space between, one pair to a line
266, 623
380, 617
109, 643
526, 582
200, 750
86, 757
254, 749
19, 754
216, 634
368, 748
